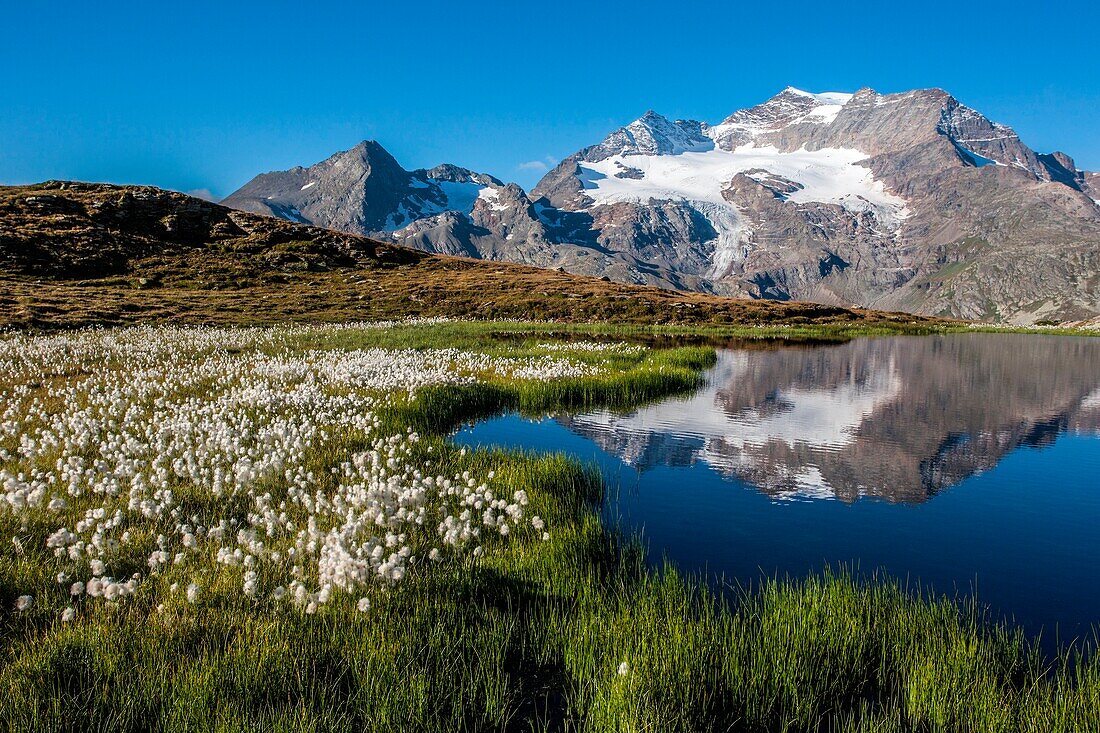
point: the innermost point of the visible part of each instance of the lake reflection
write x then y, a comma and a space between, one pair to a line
897, 418
963, 462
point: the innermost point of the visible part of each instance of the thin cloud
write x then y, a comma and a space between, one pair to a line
202, 193
545, 164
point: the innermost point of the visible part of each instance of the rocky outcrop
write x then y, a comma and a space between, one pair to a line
358, 190
68, 230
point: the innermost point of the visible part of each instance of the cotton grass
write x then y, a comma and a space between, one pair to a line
116, 437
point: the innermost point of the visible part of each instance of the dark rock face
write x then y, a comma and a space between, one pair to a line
908, 201
355, 191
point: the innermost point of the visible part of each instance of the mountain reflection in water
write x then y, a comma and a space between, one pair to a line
895, 418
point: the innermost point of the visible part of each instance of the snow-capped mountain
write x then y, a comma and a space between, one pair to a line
365, 189
907, 201
446, 209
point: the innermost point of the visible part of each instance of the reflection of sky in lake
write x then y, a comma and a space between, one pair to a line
984, 451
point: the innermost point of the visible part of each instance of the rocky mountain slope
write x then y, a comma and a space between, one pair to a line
906, 201
74, 254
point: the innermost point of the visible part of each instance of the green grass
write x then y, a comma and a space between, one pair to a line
531, 636
500, 337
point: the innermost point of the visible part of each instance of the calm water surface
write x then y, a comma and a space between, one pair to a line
963, 463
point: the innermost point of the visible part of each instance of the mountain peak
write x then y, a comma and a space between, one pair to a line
653, 134
368, 151
654, 122
819, 98
458, 174
789, 107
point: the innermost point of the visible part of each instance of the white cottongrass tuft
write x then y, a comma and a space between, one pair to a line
624, 669
617, 347
22, 603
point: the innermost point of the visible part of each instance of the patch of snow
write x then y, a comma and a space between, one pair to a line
397, 219
824, 115
985, 139
821, 417
979, 161
1092, 399
829, 175
492, 197
733, 243
554, 217
809, 483
460, 196
826, 98
311, 184
457, 196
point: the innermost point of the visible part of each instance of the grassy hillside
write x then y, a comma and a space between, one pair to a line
75, 254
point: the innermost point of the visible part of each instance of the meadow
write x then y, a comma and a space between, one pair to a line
216, 528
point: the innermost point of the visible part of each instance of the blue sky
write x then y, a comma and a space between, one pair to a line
203, 95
